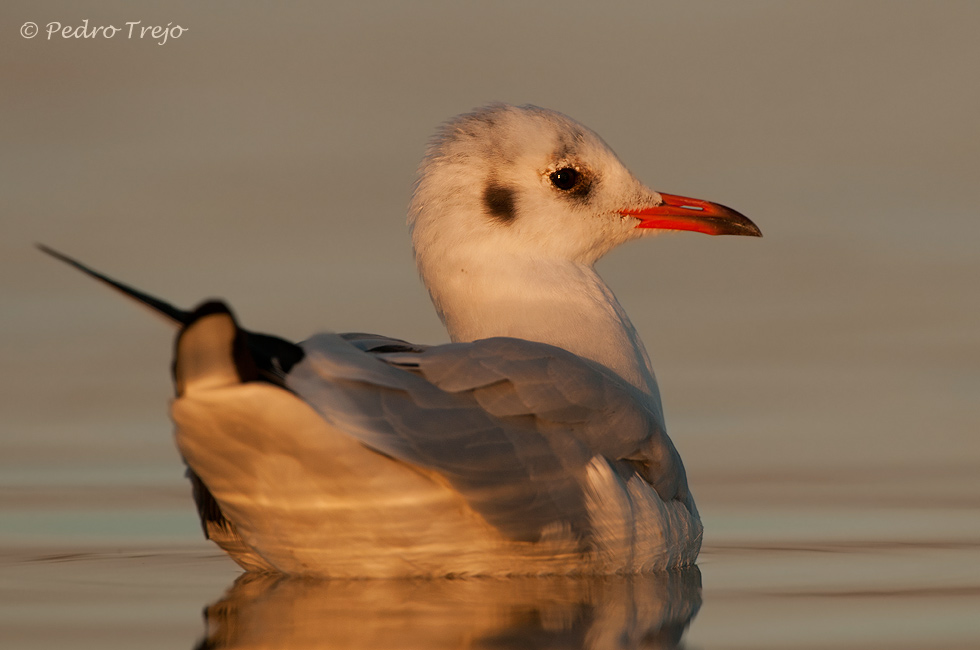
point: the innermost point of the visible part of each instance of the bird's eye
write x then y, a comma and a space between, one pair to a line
565, 178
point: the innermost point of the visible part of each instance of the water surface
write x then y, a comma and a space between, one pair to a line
821, 383
121, 563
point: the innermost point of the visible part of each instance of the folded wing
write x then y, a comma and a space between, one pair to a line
511, 424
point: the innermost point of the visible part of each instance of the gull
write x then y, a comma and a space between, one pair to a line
534, 443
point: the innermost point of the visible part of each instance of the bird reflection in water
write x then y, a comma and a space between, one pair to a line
596, 612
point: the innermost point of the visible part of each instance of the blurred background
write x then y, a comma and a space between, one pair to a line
821, 383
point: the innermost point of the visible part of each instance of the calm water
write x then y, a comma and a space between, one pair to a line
114, 559
821, 383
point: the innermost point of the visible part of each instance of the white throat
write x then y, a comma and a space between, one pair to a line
559, 302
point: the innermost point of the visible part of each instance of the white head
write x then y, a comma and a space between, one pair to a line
513, 207
533, 181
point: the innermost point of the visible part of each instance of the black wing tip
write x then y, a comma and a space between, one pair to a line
208, 308
58, 255
259, 355
178, 315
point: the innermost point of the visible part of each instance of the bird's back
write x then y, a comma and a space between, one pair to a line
369, 468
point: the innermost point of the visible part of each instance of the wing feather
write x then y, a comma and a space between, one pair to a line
511, 424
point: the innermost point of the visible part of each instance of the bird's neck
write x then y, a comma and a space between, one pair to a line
562, 303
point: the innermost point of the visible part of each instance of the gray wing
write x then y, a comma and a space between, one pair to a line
509, 423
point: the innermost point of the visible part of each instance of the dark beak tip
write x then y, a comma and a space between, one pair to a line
738, 223
742, 225
748, 227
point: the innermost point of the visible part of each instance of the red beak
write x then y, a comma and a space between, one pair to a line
682, 213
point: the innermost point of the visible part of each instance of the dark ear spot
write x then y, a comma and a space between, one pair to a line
500, 202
